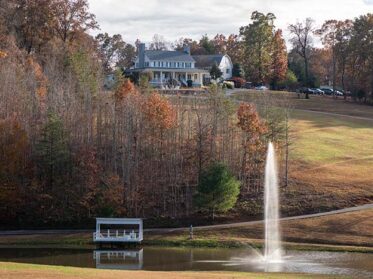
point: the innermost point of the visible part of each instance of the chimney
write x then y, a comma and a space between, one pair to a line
187, 49
141, 54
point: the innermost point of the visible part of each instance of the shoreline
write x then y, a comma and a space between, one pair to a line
72, 242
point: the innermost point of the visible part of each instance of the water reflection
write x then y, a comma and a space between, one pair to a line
119, 259
355, 265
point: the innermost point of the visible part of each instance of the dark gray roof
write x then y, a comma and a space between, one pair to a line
205, 61
169, 55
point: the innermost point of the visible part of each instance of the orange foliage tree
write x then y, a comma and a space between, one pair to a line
159, 112
253, 144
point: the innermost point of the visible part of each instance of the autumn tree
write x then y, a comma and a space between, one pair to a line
126, 56
14, 148
234, 48
220, 44
195, 48
30, 20
361, 44
343, 50
253, 145
279, 65
257, 47
72, 17
110, 48
159, 112
217, 190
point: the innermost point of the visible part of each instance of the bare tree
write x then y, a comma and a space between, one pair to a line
158, 43
302, 41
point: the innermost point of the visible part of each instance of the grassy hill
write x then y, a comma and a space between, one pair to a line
331, 153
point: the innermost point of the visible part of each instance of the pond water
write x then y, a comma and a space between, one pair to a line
358, 265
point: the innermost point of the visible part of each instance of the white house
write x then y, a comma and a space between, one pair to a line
224, 63
168, 67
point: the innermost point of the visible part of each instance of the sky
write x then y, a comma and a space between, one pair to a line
141, 19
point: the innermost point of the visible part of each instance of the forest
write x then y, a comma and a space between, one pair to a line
71, 151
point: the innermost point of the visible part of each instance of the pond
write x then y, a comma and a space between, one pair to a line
359, 265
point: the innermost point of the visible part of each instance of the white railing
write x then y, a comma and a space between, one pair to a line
116, 234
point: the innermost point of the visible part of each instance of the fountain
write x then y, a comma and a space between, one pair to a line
272, 250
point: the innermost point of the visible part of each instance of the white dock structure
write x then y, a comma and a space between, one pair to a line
130, 230
119, 259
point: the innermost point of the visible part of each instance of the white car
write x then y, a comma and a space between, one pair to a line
261, 88
338, 93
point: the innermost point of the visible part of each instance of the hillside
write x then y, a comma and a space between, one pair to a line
331, 151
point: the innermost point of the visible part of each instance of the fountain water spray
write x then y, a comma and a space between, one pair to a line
273, 251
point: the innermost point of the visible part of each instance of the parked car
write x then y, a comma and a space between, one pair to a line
317, 91
262, 87
327, 91
338, 93
306, 90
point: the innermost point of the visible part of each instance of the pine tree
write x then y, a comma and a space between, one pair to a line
52, 151
217, 189
215, 72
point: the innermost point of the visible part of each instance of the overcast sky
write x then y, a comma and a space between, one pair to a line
192, 18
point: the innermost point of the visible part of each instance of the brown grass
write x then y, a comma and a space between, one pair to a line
28, 271
315, 103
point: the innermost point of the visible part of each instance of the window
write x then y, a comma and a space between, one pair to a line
182, 65
162, 64
227, 71
159, 63
178, 64
146, 64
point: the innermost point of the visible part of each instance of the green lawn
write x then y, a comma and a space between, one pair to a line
326, 139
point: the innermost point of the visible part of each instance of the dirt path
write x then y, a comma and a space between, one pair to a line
243, 224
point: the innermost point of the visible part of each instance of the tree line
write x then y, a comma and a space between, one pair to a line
260, 54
